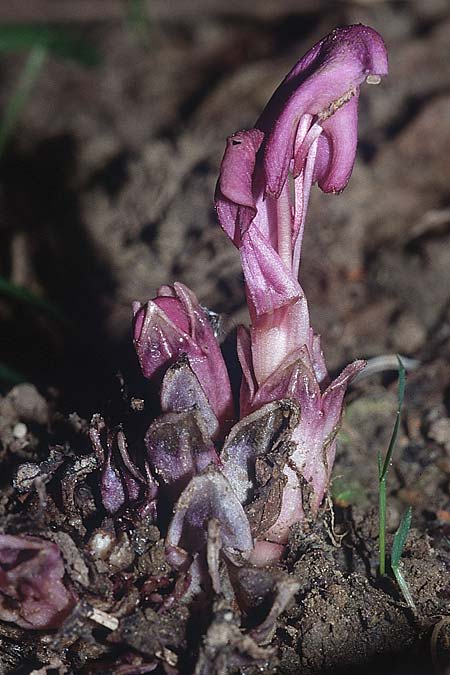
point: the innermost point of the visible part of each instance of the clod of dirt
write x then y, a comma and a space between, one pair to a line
23, 407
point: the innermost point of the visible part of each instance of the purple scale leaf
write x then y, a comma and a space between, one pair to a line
131, 476
121, 481
255, 437
111, 486
209, 496
182, 391
179, 447
312, 460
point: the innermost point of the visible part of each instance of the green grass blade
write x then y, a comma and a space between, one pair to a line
401, 396
10, 376
21, 294
400, 537
18, 100
57, 40
382, 527
20, 37
383, 468
404, 588
380, 465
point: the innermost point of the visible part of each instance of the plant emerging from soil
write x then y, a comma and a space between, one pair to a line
222, 488
306, 134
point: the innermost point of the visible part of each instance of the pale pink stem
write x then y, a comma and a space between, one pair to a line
302, 147
302, 188
300, 139
284, 225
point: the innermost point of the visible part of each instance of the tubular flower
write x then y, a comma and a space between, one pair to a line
308, 131
174, 325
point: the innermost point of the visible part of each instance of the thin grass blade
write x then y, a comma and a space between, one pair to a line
401, 396
18, 100
55, 39
400, 537
21, 294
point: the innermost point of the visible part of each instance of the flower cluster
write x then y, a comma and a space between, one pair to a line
278, 457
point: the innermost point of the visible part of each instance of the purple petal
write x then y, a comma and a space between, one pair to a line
158, 341
319, 84
234, 188
162, 338
206, 497
269, 282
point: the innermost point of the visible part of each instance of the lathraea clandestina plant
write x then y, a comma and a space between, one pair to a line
275, 463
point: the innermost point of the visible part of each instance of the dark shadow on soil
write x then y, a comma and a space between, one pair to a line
41, 201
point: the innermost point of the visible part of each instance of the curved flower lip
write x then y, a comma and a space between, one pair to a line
268, 279
321, 84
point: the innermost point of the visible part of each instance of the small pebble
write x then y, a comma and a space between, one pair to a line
101, 543
440, 432
20, 431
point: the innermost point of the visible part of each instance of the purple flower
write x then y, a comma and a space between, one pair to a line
121, 481
308, 129
174, 326
32, 592
306, 134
